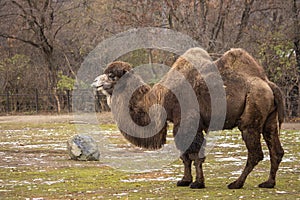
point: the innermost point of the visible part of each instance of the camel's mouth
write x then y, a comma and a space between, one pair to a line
99, 88
96, 86
102, 84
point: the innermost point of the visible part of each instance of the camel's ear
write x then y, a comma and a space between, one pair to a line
117, 68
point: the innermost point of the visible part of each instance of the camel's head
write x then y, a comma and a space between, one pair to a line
114, 71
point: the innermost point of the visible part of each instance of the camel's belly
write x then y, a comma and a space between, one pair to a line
236, 98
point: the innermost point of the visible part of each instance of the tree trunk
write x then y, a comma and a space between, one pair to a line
244, 21
217, 27
296, 21
296, 40
57, 101
150, 53
53, 75
203, 14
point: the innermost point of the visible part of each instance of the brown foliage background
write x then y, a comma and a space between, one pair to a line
44, 42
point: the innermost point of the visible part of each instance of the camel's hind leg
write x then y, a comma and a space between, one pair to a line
271, 136
259, 102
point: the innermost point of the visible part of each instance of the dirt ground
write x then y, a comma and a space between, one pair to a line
34, 164
105, 117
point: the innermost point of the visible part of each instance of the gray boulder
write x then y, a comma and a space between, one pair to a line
83, 147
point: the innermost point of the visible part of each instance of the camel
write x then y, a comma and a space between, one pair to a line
253, 104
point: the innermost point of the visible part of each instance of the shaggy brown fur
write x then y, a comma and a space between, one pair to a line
254, 105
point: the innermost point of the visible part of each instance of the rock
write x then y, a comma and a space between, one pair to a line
83, 147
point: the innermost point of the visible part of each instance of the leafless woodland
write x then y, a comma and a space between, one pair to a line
43, 43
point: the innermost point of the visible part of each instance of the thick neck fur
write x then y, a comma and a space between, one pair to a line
139, 104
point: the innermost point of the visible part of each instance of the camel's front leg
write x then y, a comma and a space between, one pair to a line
255, 154
199, 183
187, 177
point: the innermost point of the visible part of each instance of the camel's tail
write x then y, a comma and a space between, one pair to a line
279, 101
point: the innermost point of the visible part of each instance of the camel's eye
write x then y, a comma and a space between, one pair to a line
111, 76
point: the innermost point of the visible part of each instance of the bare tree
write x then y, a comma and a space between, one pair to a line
38, 24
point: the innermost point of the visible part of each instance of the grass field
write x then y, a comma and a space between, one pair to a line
34, 164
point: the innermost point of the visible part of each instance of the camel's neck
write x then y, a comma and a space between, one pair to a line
137, 126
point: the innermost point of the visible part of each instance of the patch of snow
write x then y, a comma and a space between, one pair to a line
229, 145
228, 159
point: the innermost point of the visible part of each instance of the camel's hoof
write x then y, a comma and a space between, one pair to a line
197, 185
183, 183
267, 184
235, 185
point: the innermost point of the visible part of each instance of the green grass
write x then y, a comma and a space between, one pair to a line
49, 174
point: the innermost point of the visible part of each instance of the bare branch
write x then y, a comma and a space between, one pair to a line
20, 39
20, 7
264, 9
69, 65
60, 27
